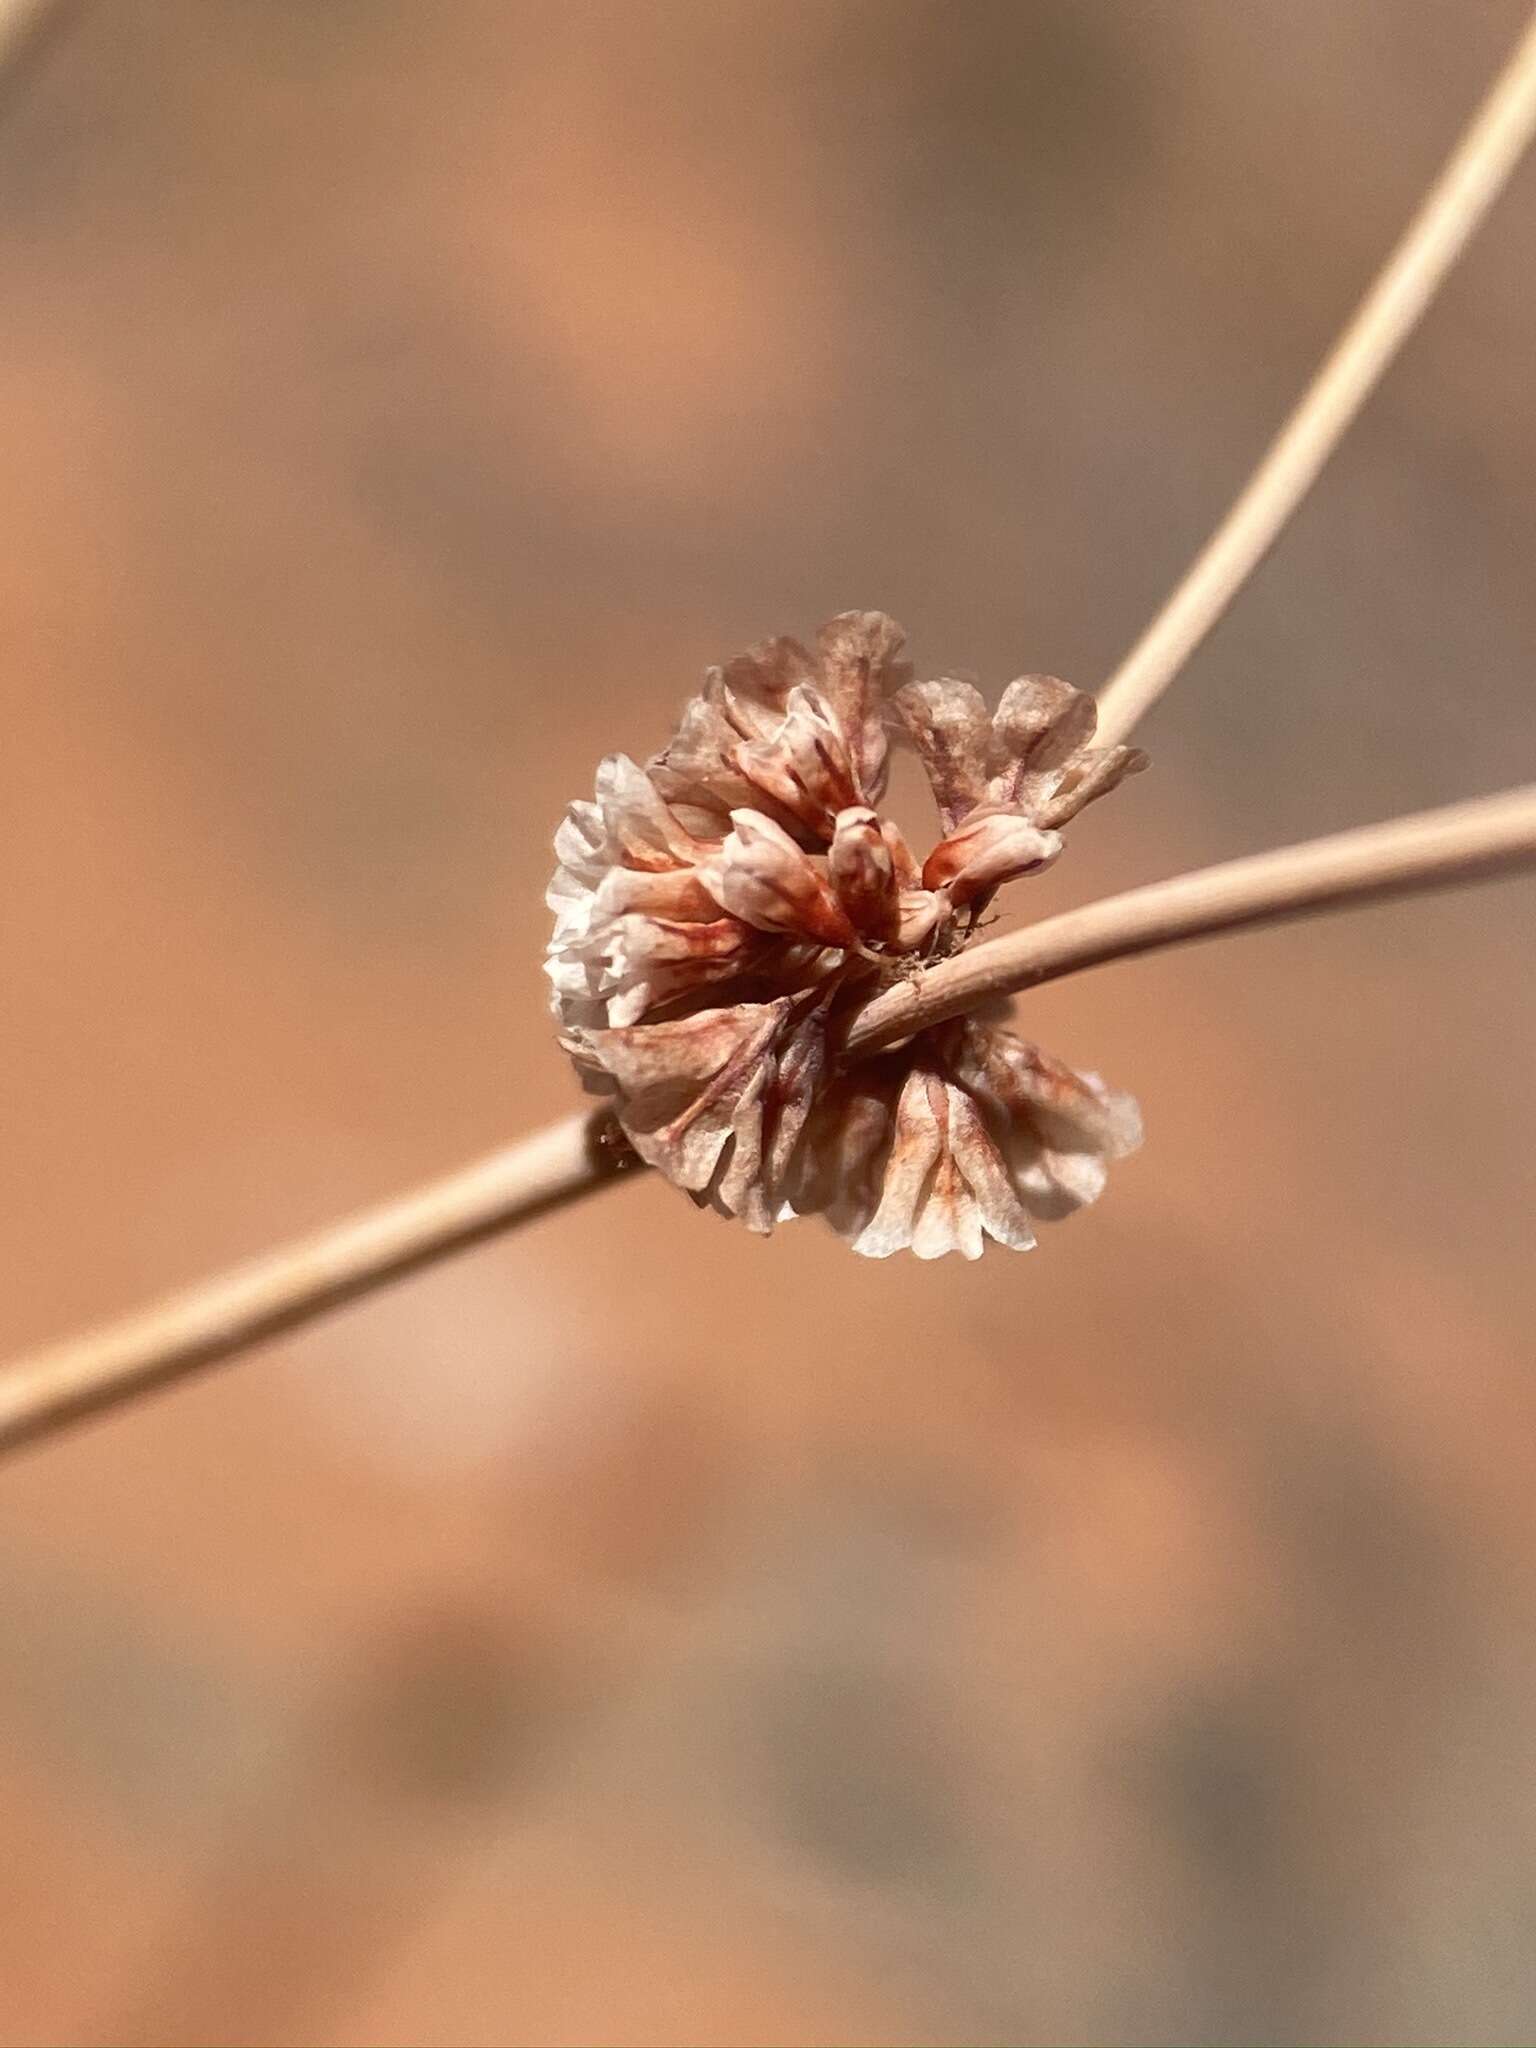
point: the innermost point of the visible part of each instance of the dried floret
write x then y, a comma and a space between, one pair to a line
717, 910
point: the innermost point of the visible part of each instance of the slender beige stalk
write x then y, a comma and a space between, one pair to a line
17, 19
1425, 851
25, 25
40, 1394
1461, 196
211, 1321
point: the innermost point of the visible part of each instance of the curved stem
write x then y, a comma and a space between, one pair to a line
184, 1332
1460, 198
569, 1159
27, 28
1424, 851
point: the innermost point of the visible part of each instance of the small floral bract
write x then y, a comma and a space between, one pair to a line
716, 911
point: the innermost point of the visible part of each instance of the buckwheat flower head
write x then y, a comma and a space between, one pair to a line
718, 910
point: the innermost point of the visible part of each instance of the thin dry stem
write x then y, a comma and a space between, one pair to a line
26, 28
1475, 175
40, 1394
18, 18
1424, 851
268, 1295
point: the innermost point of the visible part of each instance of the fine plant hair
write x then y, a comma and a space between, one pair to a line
576, 1156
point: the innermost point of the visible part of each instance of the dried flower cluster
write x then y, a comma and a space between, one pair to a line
717, 910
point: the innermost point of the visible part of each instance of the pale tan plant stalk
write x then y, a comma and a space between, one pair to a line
1457, 843
1456, 205
25, 26
41, 1393
301, 1281
17, 19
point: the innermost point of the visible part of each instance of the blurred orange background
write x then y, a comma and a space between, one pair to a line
636, 1631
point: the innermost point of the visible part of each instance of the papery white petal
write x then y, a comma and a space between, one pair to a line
683, 1081
761, 876
915, 1149
861, 669
1002, 1214
862, 868
803, 765
985, 850
948, 724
